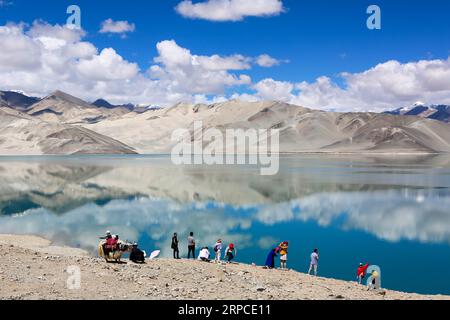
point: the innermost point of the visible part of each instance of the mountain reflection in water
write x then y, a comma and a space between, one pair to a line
382, 209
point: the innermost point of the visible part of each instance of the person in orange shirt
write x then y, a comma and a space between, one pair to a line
283, 247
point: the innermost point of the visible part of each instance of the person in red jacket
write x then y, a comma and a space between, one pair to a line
361, 272
112, 243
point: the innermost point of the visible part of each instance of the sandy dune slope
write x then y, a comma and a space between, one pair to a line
301, 129
21, 134
63, 108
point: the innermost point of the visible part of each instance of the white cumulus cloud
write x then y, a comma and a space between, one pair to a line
388, 85
186, 72
267, 61
269, 89
118, 27
108, 65
229, 10
18, 51
41, 58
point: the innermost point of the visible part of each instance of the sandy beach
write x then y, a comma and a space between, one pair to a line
32, 269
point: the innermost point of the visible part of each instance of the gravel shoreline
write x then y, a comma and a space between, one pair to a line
32, 269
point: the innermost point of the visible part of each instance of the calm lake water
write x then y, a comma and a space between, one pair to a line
392, 212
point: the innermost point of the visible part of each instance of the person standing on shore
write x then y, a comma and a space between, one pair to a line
230, 252
176, 251
270, 261
361, 272
283, 254
191, 245
314, 265
218, 250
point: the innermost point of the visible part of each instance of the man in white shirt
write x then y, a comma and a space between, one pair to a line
204, 255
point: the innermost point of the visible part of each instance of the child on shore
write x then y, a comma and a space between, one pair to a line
218, 250
374, 283
283, 247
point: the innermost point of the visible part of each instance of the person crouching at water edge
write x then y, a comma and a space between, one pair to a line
314, 262
137, 255
230, 252
283, 249
218, 250
204, 255
212, 146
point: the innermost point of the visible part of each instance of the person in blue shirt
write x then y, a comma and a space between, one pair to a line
270, 261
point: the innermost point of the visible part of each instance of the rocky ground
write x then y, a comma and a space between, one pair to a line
31, 268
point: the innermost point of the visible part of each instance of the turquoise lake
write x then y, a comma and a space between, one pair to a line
393, 212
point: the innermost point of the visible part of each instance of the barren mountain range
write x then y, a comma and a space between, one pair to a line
63, 124
435, 112
24, 134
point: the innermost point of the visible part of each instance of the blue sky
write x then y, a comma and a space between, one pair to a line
318, 38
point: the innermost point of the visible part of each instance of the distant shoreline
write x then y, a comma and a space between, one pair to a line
41, 274
280, 153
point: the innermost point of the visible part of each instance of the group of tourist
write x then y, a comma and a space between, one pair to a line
111, 243
230, 253
282, 250
204, 254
